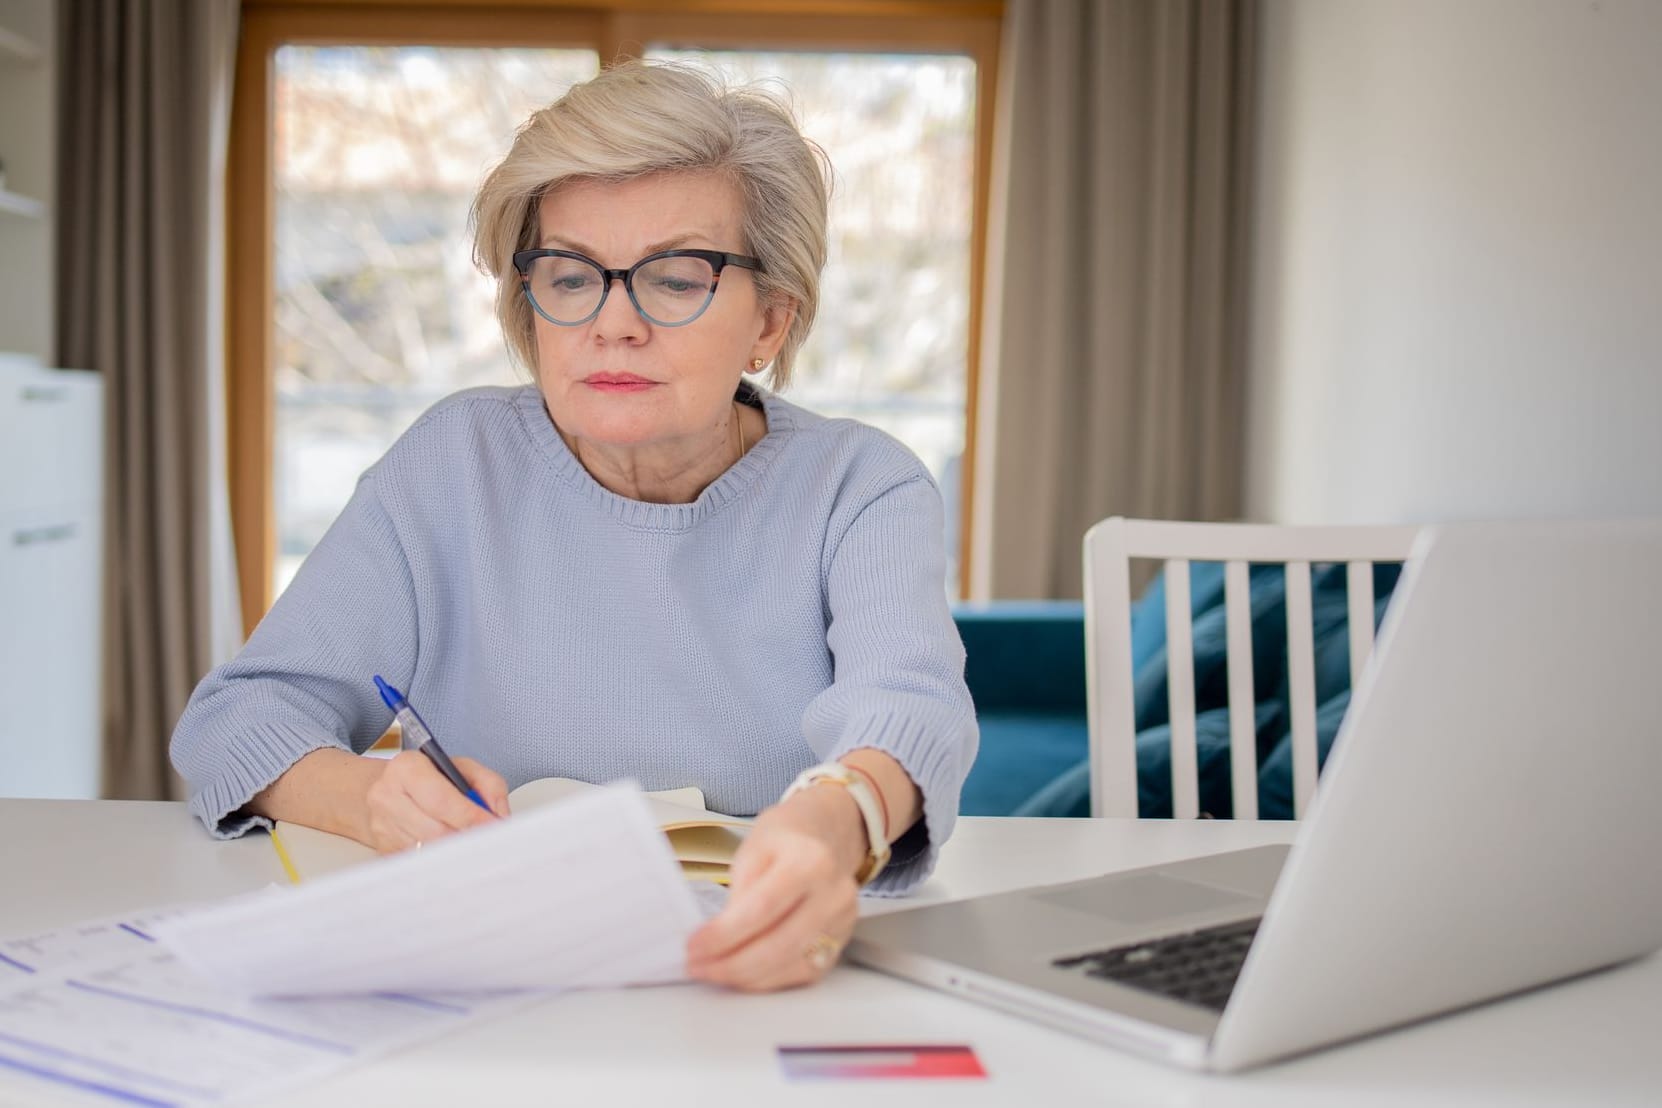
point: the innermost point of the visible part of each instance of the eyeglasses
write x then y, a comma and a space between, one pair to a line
671, 288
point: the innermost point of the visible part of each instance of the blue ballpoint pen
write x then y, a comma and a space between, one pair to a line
416, 735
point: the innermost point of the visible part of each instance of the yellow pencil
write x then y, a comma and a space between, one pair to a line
283, 857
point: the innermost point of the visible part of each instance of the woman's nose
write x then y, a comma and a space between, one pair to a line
618, 319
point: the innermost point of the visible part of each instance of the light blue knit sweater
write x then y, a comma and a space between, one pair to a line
548, 627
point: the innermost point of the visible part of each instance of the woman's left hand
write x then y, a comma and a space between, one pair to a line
793, 902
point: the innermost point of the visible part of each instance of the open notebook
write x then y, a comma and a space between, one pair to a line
703, 841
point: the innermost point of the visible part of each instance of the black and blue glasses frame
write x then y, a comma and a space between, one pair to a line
717, 259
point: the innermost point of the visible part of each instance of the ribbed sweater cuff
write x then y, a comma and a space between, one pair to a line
927, 747
254, 759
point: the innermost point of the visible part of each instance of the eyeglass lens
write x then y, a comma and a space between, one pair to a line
667, 290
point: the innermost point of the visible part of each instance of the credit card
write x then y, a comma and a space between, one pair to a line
878, 1060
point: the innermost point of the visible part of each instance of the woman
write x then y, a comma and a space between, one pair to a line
643, 566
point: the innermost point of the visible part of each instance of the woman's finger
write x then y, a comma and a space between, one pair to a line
438, 798
489, 784
753, 908
786, 955
413, 828
429, 790
396, 822
412, 802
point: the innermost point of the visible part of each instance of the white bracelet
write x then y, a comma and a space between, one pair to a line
871, 811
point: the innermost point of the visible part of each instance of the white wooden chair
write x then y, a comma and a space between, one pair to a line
1110, 547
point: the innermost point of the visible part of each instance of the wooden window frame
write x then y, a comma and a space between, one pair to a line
615, 29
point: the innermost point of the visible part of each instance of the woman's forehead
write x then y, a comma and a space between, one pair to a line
638, 215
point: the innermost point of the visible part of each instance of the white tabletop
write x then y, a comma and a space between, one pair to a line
1592, 1040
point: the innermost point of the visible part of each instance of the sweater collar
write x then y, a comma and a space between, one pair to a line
660, 517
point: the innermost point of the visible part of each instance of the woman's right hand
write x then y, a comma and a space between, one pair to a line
410, 802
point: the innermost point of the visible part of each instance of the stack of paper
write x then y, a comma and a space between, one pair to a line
103, 1011
176, 1007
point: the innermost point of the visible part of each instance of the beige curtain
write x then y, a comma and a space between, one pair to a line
1114, 346
144, 111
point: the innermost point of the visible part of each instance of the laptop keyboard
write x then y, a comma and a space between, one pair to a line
1199, 967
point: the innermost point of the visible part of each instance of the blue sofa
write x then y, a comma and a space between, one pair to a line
1025, 667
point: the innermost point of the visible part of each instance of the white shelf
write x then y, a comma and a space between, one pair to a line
14, 47
13, 204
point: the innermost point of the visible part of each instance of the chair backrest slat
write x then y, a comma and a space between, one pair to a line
1109, 548
1359, 595
1243, 721
1180, 692
1301, 684
1110, 702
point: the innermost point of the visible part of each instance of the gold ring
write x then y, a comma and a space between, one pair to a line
822, 952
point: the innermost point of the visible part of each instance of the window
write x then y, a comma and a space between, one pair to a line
380, 312
360, 292
890, 346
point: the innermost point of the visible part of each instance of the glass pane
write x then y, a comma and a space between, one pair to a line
380, 311
890, 345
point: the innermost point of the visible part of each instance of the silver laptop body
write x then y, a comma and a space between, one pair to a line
1488, 821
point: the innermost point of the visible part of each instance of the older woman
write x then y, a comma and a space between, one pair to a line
643, 566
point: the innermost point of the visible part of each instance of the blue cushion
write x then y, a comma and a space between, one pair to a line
1332, 651
1275, 773
1210, 639
1069, 793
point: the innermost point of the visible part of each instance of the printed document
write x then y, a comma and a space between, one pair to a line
102, 1013
581, 893
221, 1002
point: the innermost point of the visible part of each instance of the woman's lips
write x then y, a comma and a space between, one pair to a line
618, 382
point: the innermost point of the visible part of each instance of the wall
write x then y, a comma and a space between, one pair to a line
1457, 303
27, 98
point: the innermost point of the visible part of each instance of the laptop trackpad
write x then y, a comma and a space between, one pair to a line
1144, 898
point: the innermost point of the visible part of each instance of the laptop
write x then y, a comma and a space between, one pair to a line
1488, 821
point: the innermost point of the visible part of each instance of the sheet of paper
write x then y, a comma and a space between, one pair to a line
710, 897
100, 1012
578, 894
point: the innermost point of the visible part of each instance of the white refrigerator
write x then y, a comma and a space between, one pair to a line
51, 580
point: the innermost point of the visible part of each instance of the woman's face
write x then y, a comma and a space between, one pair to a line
619, 380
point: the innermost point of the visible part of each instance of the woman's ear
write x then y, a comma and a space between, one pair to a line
777, 318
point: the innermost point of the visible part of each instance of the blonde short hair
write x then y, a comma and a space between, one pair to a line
638, 118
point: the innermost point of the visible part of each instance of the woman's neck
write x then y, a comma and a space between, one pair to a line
674, 473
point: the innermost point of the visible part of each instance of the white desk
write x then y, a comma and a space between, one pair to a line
1588, 1041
